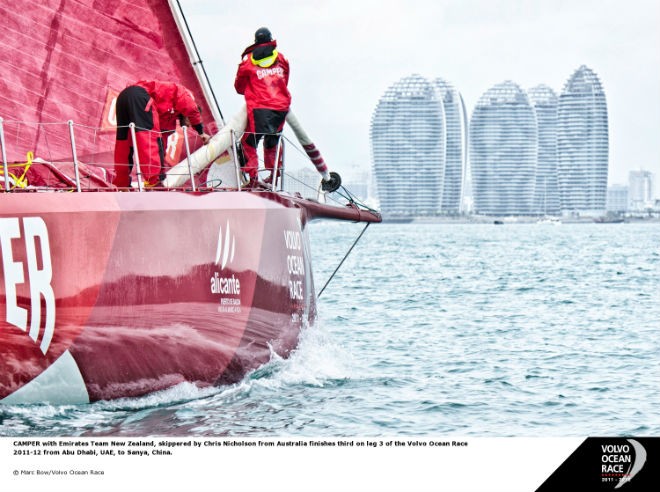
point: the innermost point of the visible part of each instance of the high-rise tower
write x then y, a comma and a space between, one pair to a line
455, 145
503, 151
546, 196
408, 149
582, 144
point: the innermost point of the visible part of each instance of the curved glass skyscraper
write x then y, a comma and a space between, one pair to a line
455, 158
408, 148
582, 144
503, 148
546, 196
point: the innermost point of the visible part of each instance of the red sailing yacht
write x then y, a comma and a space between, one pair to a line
107, 293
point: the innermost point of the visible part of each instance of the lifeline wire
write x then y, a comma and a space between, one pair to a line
343, 259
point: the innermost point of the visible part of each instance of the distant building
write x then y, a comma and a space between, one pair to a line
456, 146
582, 144
503, 152
546, 194
640, 185
305, 181
358, 185
617, 199
408, 149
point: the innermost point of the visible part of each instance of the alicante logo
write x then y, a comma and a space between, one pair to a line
226, 248
223, 284
621, 462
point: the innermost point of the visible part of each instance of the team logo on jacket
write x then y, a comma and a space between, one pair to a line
267, 72
228, 287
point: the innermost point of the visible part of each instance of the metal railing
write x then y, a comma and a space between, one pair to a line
97, 171
75, 183
276, 174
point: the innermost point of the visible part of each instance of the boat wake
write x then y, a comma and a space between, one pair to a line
318, 360
189, 410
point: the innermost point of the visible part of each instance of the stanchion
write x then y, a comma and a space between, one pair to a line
5, 167
75, 156
190, 171
136, 157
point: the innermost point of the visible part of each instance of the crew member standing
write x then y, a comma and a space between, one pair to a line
262, 77
154, 107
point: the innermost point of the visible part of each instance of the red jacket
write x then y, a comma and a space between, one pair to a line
264, 81
171, 100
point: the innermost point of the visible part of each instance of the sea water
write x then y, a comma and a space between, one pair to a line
436, 330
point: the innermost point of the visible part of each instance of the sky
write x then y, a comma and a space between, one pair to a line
344, 55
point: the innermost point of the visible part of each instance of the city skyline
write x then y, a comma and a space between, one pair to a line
531, 152
344, 55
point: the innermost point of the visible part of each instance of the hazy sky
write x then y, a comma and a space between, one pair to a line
344, 54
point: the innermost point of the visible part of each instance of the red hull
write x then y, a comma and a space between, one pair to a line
129, 293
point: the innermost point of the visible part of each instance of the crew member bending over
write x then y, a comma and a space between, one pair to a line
154, 107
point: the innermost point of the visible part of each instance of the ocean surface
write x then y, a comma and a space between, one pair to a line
437, 330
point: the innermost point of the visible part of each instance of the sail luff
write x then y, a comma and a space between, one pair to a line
195, 59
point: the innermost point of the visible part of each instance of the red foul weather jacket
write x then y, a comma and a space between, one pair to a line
264, 81
171, 100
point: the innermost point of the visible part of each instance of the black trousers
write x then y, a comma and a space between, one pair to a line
266, 123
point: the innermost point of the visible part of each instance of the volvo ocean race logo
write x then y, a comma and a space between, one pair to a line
228, 287
35, 248
295, 262
610, 463
621, 462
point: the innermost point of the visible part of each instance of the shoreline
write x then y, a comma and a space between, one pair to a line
514, 220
